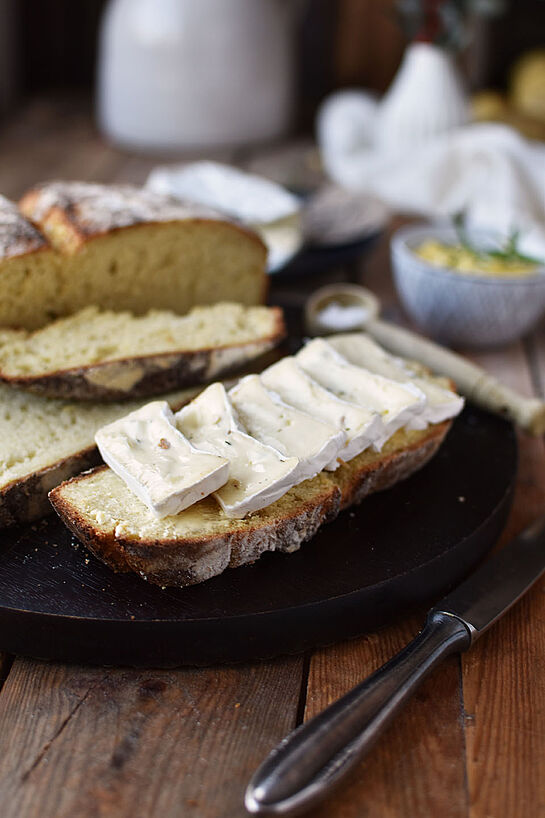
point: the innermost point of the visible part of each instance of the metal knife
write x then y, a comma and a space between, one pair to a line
315, 757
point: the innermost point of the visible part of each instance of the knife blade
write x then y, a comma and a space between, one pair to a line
499, 582
315, 757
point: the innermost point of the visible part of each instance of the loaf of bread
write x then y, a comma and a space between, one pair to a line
202, 541
43, 442
105, 355
120, 248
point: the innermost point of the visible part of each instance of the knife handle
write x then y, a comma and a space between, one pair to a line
311, 760
471, 380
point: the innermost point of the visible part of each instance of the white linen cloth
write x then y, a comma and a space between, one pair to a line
488, 170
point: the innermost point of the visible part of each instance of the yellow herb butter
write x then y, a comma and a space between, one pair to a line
465, 260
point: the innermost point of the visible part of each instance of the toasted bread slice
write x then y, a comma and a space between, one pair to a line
96, 355
43, 442
202, 542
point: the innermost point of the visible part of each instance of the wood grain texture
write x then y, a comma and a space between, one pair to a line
85, 742
417, 769
503, 675
476, 749
95, 742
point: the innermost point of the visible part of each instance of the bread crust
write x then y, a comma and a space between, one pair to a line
357, 481
25, 500
80, 211
147, 375
73, 214
18, 237
189, 561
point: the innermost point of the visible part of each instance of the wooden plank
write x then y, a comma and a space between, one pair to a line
417, 769
127, 743
535, 350
72, 151
504, 695
390, 787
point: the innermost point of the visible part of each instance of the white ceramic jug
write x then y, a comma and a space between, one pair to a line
425, 99
196, 73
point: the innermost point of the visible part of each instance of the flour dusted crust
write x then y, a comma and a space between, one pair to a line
17, 235
28, 265
85, 210
283, 526
119, 247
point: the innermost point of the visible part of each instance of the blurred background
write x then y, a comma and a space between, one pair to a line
368, 111
49, 48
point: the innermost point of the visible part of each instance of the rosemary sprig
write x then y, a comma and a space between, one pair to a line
509, 252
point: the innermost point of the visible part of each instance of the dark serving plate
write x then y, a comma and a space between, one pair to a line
314, 260
398, 549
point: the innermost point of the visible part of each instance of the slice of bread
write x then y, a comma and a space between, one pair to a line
127, 248
43, 442
95, 355
202, 542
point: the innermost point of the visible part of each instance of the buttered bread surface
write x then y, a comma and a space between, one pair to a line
259, 507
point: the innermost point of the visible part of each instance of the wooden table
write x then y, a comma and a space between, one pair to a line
82, 742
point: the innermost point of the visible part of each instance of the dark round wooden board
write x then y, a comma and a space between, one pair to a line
315, 259
397, 549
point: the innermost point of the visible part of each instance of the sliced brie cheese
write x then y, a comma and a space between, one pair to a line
267, 418
157, 462
397, 403
361, 426
258, 474
359, 349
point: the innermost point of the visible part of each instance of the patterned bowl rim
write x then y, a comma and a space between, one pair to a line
403, 238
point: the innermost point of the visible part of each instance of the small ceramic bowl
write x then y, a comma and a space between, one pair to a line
340, 308
463, 309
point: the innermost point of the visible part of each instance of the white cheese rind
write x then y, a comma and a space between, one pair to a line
397, 403
361, 426
267, 418
359, 349
258, 474
158, 464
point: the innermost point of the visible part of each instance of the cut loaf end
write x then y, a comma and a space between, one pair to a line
127, 248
